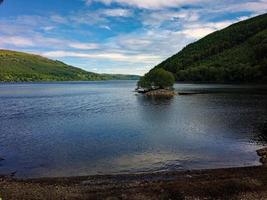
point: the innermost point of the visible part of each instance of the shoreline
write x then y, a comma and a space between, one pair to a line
226, 183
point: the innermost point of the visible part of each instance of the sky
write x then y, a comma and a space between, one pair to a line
115, 36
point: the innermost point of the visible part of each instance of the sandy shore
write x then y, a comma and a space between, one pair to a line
234, 183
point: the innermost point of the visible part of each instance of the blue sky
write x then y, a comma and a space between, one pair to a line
115, 36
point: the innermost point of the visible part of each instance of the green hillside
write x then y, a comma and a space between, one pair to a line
237, 53
18, 66
120, 77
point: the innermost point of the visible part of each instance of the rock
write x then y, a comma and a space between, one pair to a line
263, 160
161, 93
13, 174
262, 152
1, 159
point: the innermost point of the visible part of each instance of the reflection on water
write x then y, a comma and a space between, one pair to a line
70, 129
155, 100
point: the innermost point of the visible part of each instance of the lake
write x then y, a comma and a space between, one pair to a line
88, 128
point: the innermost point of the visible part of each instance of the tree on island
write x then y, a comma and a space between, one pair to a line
156, 79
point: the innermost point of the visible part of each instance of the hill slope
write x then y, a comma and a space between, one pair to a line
237, 53
120, 77
18, 66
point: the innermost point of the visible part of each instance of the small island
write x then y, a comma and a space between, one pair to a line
158, 82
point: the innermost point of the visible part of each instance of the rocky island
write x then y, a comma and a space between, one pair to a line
161, 93
157, 82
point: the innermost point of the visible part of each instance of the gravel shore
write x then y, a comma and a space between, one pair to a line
232, 183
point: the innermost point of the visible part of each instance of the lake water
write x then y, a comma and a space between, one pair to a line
87, 128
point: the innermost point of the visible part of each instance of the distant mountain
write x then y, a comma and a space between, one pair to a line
18, 66
121, 76
237, 53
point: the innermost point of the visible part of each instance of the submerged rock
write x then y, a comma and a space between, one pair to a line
263, 160
263, 154
161, 93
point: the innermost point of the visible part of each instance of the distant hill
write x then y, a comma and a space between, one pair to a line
237, 53
18, 66
121, 76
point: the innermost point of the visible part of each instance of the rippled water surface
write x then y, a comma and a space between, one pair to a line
71, 129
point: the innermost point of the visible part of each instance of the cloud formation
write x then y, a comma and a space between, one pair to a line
121, 36
119, 12
147, 4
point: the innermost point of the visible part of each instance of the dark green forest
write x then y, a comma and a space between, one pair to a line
237, 53
24, 67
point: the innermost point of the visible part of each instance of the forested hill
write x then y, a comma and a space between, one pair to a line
237, 53
23, 67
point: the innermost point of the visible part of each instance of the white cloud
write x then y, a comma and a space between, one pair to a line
122, 70
156, 19
257, 7
84, 46
119, 12
242, 18
100, 17
199, 30
24, 24
104, 55
147, 4
44, 42
197, 33
16, 41
48, 28
106, 27
59, 19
